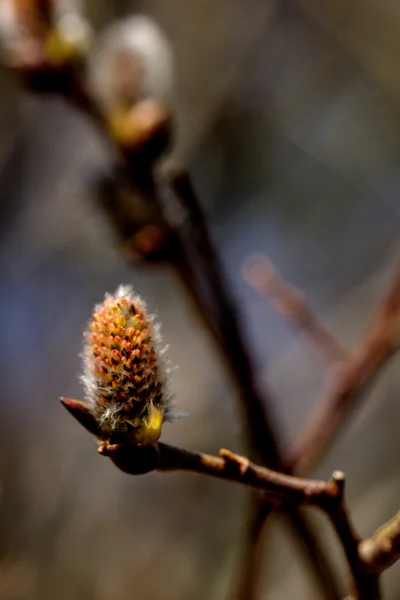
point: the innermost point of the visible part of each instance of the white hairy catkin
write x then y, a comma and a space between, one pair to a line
131, 61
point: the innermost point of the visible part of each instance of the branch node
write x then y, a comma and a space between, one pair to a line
240, 463
339, 479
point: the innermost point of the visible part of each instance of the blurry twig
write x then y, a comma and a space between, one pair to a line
382, 550
354, 377
351, 382
288, 302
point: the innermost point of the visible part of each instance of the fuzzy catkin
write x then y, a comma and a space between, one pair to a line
123, 376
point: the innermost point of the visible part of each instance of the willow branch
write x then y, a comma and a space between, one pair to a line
292, 306
279, 489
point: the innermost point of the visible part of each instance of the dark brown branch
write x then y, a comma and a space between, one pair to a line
365, 585
232, 467
277, 488
290, 304
352, 381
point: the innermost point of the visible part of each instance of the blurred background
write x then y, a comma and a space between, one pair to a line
288, 118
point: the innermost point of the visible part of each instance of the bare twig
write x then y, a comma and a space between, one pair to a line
289, 303
350, 384
354, 376
235, 468
365, 584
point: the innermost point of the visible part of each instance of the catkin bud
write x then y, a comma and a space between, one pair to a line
132, 61
124, 377
71, 35
10, 30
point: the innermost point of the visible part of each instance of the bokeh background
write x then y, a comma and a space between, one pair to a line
288, 117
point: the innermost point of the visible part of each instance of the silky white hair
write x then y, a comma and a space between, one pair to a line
9, 29
140, 36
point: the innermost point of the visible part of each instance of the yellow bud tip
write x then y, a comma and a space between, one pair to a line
152, 430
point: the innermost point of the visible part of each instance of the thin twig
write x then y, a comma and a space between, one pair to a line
356, 374
290, 304
354, 379
351, 383
365, 584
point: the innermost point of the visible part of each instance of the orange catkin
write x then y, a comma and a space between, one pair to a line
124, 377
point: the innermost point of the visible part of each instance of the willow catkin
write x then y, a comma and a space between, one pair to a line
124, 375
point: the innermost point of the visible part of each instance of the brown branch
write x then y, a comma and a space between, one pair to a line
279, 489
365, 584
292, 306
352, 381
232, 467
